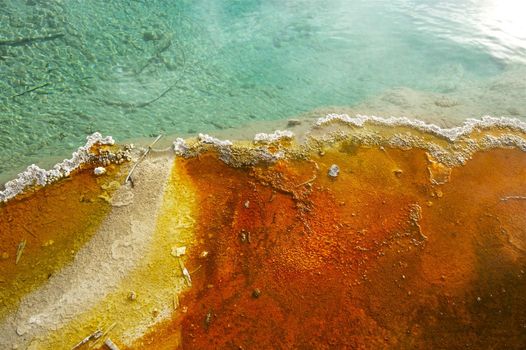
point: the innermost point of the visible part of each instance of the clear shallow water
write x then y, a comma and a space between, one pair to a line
140, 68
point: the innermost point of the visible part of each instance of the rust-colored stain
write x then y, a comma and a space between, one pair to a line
39, 234
377, 257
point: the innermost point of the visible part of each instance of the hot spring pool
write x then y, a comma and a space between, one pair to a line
139, 68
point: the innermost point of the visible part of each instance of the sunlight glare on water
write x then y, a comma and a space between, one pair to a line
497, 26
504, 21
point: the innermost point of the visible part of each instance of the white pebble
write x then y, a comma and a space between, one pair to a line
178, 251
334, 170
99, 171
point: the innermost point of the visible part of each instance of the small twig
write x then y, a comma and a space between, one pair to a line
197, 269
106, 332
507, 198
20, 250
29, 231
29, 41
128, 178
109, 329
95, 335
176, 302
316, 169
30, 90
186, 274
131, 105
110, 345
307, 182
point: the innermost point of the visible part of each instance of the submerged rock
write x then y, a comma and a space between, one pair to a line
334, 170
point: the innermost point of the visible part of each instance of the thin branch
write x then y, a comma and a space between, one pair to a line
30, 40
95, 335
30, 90
507, 198
131, 105
128, 178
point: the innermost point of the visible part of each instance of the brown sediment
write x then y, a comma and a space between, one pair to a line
378, 257
41, 232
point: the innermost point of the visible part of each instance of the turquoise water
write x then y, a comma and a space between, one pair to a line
139, 68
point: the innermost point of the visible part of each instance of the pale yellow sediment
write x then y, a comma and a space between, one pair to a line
156, 281
154, 278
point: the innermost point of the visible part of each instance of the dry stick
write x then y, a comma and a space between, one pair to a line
106, 332
186, 273
20, 250
197, 269
110, 345
95, 335
142, 158
306, 182
507, 198
176, 302
29, 231
109, 329
316, 169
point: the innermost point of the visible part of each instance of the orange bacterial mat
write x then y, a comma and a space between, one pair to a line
362, 237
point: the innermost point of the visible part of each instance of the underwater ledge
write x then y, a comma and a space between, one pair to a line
370, 233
